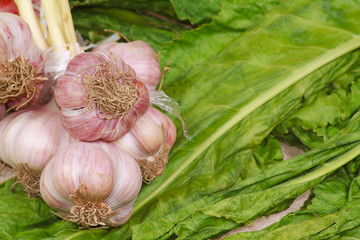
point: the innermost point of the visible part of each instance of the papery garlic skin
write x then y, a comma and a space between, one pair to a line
149, 142
83, 117
94, 176
56, 60
140, 56
28, 138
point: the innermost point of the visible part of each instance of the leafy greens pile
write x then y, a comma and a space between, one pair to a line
250, 74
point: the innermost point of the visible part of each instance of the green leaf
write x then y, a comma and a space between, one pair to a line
246, 62
92, 23
272, 187
325, 218
162, 6
24, 218
197, 10
326, 199
200, 45
267, 152
324, 113
225, 128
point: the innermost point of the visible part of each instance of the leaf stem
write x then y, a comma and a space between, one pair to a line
327, 167
27, 13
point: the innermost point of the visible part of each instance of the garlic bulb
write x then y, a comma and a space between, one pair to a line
100, 97
140, 56
92, 184
21, 63
149, 142
28, 138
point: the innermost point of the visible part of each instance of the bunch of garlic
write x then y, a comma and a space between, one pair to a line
96, 181
87, 151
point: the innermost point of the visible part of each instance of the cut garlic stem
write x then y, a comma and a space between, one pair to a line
69, 30
55, 26
27, 13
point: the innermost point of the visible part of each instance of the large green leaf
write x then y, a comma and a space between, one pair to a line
209, 95
234, 98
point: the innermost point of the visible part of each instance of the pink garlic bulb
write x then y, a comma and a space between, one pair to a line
92, 184
21, 64
149, 142
28, 138
140, 56
100, 97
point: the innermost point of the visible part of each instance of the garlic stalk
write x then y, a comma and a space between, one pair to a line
100, 97
28, 138
149, 142
92, 184
27, 13
54, 34
21, 64
140, 56
62, 38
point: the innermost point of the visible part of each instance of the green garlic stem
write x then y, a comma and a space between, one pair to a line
27, 13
